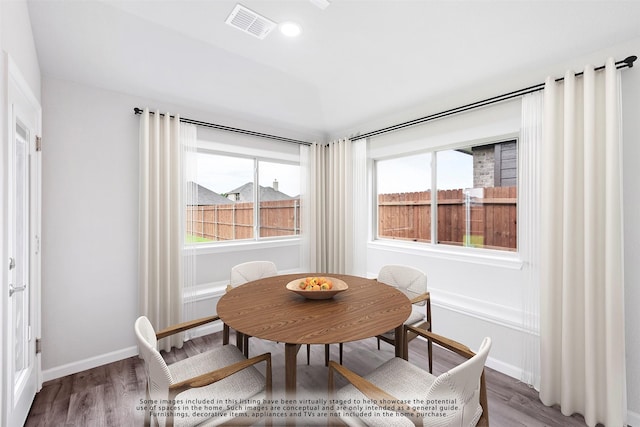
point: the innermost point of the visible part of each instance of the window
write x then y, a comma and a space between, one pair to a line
404, 198
474, 192
279, 199
225, 204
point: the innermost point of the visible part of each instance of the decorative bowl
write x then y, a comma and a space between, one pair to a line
338, 286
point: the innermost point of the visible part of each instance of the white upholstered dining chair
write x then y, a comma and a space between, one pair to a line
223, 371
413, 283
241, 274
249, 271
402, 391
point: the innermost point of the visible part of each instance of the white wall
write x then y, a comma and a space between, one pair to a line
90, 225
90, 182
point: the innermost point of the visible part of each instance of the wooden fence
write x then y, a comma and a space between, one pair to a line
487, 217
235, 221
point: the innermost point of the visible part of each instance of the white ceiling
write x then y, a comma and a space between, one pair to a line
355, 61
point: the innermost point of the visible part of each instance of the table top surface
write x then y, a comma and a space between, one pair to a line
266, 309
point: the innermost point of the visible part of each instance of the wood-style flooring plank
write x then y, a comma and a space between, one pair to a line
87, 407
109, 395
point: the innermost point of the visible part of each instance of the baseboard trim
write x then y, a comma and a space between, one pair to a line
504, 368
500, 366
114, 356
89, 363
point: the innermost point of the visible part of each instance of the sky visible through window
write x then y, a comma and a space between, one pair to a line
455, 170
223, 174
413, 173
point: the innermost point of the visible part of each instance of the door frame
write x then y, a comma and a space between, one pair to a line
13, 80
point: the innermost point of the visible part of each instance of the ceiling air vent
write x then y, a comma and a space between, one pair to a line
250, 22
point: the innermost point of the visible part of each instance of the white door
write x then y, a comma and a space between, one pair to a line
22, 370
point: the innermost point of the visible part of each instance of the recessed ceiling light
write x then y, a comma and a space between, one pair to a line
290, 29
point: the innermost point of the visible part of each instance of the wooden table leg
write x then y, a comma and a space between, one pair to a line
225, 334
398, 337
290, 381
290, 362
245, 345
239, 340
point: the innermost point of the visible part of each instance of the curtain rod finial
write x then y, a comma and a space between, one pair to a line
137, 110
629, 60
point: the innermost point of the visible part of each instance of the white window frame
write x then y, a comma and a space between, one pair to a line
484, 256
257, 154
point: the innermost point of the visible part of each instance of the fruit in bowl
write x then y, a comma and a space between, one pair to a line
315, 284
317, 287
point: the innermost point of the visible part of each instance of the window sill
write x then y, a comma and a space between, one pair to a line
510, 260
241, 245
204, 292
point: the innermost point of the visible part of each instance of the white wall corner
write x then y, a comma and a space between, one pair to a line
633, 419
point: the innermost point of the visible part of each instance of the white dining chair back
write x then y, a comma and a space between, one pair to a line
411, 281
462, 383
252, 270
158, 374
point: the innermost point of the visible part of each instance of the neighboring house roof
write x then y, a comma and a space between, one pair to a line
204, 196
245, 193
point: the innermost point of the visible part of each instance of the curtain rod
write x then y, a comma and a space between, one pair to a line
625, 63
137, 110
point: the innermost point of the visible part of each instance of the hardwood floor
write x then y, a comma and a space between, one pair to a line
109, 395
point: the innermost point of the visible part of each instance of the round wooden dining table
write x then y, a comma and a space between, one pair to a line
266, 309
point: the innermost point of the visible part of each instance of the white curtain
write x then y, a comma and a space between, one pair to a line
189, 150
335, 173
339, 203
312, 198
529, 232
362, 209
161, 223
582, 357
